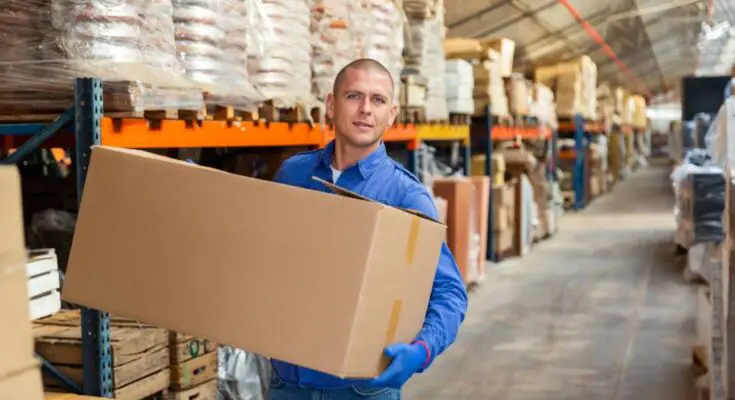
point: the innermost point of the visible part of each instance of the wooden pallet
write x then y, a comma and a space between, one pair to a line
140, 353
412, 115
460, 119
525, 120
270, 113
193, 361
203, 391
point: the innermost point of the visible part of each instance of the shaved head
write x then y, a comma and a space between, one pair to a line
363, 64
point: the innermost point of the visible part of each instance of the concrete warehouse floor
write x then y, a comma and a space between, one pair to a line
599, 311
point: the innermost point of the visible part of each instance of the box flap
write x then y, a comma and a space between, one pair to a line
347, 193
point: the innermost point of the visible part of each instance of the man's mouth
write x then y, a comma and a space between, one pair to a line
362, 124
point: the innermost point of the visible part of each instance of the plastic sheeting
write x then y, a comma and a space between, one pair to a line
242, 375
699, 186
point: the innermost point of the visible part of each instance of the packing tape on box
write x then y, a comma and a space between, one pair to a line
413, 237
395, 313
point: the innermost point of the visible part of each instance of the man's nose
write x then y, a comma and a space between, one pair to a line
365, 106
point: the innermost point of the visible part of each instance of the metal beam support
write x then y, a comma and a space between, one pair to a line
96, 353
50, 370
512, 21
478, 14
37, 139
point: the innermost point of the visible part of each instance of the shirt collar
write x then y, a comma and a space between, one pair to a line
366, 166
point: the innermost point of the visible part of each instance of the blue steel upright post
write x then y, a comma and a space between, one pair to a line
488, 142
580, 151
96, 352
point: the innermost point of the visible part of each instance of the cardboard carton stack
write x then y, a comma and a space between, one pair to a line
498, 167
460, 85
605, 106
193, 367
424, 53
482, 201
20, 376
597, 171
504, 216
140, 353
391, 254
639, 111
332, 42
462, 227
575, 86
519, 94
506, 53
544, 107
489, 89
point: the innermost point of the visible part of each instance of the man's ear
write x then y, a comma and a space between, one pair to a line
393, 114
330, 106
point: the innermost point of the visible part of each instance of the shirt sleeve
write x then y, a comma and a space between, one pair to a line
448, 301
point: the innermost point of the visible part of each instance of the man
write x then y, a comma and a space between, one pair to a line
361, 108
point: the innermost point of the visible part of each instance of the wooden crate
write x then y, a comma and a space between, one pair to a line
193, 361
140, 353
203, 391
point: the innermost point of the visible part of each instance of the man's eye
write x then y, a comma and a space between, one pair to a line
379, 100
353, 96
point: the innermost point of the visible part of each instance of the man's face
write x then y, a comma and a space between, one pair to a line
363, 107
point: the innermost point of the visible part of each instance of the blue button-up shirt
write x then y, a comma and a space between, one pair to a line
380, 178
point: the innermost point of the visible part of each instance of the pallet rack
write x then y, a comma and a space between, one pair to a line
483, 132
581, 131
84, 125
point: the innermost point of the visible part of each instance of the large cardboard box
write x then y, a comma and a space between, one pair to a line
24, 384
320, 280
482, 200
459, 192
19, 374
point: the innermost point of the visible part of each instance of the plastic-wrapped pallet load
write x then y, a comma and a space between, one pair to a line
460, 85
699, 186
211, 42
333, 42
425, 53
280, 63
379, 29
128, 44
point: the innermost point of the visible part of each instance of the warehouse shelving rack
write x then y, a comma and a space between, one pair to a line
483, 132
84, 125
581, 131
443, 133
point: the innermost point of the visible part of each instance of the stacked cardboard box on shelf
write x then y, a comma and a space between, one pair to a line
575, 86
519, 95
20, 376
460, 85
482, 200
605, 106
504, 216
498, 167
506, 52
424, 53
639, 111
544, 107
140, 353
597, 172
489, 89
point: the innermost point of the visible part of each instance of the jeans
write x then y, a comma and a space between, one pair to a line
281, 390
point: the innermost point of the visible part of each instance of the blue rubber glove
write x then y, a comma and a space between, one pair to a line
408, 359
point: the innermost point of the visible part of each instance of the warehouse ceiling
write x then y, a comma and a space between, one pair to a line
659, 40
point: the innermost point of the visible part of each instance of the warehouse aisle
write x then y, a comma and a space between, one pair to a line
599, 311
